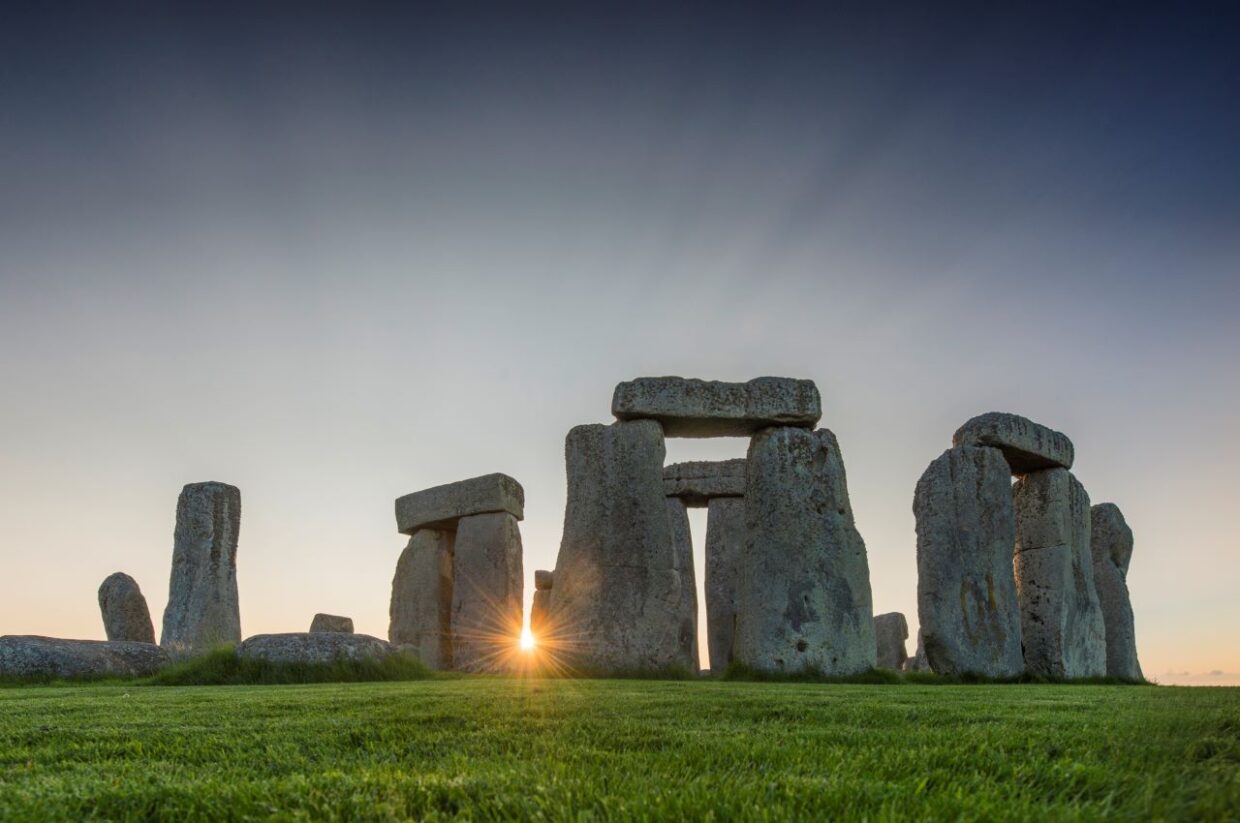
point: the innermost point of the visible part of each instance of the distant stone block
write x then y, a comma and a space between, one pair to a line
441, 507
709, 408
697, 482
1026, 445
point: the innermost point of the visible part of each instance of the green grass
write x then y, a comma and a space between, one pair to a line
498, 748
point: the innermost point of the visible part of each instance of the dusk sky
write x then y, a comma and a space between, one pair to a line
334, 255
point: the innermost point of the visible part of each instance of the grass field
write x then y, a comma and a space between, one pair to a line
613, 749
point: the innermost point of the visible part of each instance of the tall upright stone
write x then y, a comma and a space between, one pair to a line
725, 543
890, 632
486, 592
619, 599
1062, 627
1111, 547
203, 609
125, 615
966, 593
803, 595
421, 608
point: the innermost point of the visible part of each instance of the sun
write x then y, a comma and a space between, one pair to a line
527, 640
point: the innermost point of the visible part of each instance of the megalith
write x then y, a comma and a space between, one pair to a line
421, 608
486, 591
966, 593
620, 597
890, 632
725, 543
331, 624
803, 594
1062, 627
1111, 547
125, 615
203, 608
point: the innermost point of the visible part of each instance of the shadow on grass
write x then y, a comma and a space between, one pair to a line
222, 667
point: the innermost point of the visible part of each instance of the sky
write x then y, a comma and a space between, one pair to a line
333, 255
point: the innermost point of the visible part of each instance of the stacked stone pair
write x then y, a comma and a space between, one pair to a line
1006, 573
789, 570
456, 595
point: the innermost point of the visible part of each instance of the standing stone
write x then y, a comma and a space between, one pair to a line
331, 624
890, 632
125, 615
1111, 545
543, 583
619, 593
803, 595
1062, 627
421, 610
203, 609
966, 593
725, 542
710, 408
486, 592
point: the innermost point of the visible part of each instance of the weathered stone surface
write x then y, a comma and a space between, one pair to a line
966, 593
1028, 446
1062, 627
698, 482
421, 609
441, 506
803, 594
890, 632
709, 408
543, 579
619, 599
331, 623
38, 657
1111, 547
125, 615
725, 541
918, 662
487, 592
313, 647
203, 609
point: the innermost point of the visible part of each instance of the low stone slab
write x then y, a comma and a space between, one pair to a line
441, 507
890, 632
709, 408
1026, 445
1111, 545
331, 623
35, 656
698, 482
313, 647
125, 615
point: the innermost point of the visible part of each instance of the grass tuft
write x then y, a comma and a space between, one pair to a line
222, 667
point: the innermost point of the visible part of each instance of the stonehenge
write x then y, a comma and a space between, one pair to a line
125, 615
890, 632
457, 592
966, 593
1111, 547
203, 608
1069, 585
331, 623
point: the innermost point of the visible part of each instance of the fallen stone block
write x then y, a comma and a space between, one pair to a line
203, 609
331, 623
32, 656
698, 482
709, 408
313, 647
1111, 547
125, 615
1062, 627
890, 632
1026, 445
441, 507
966, 593
803, 593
